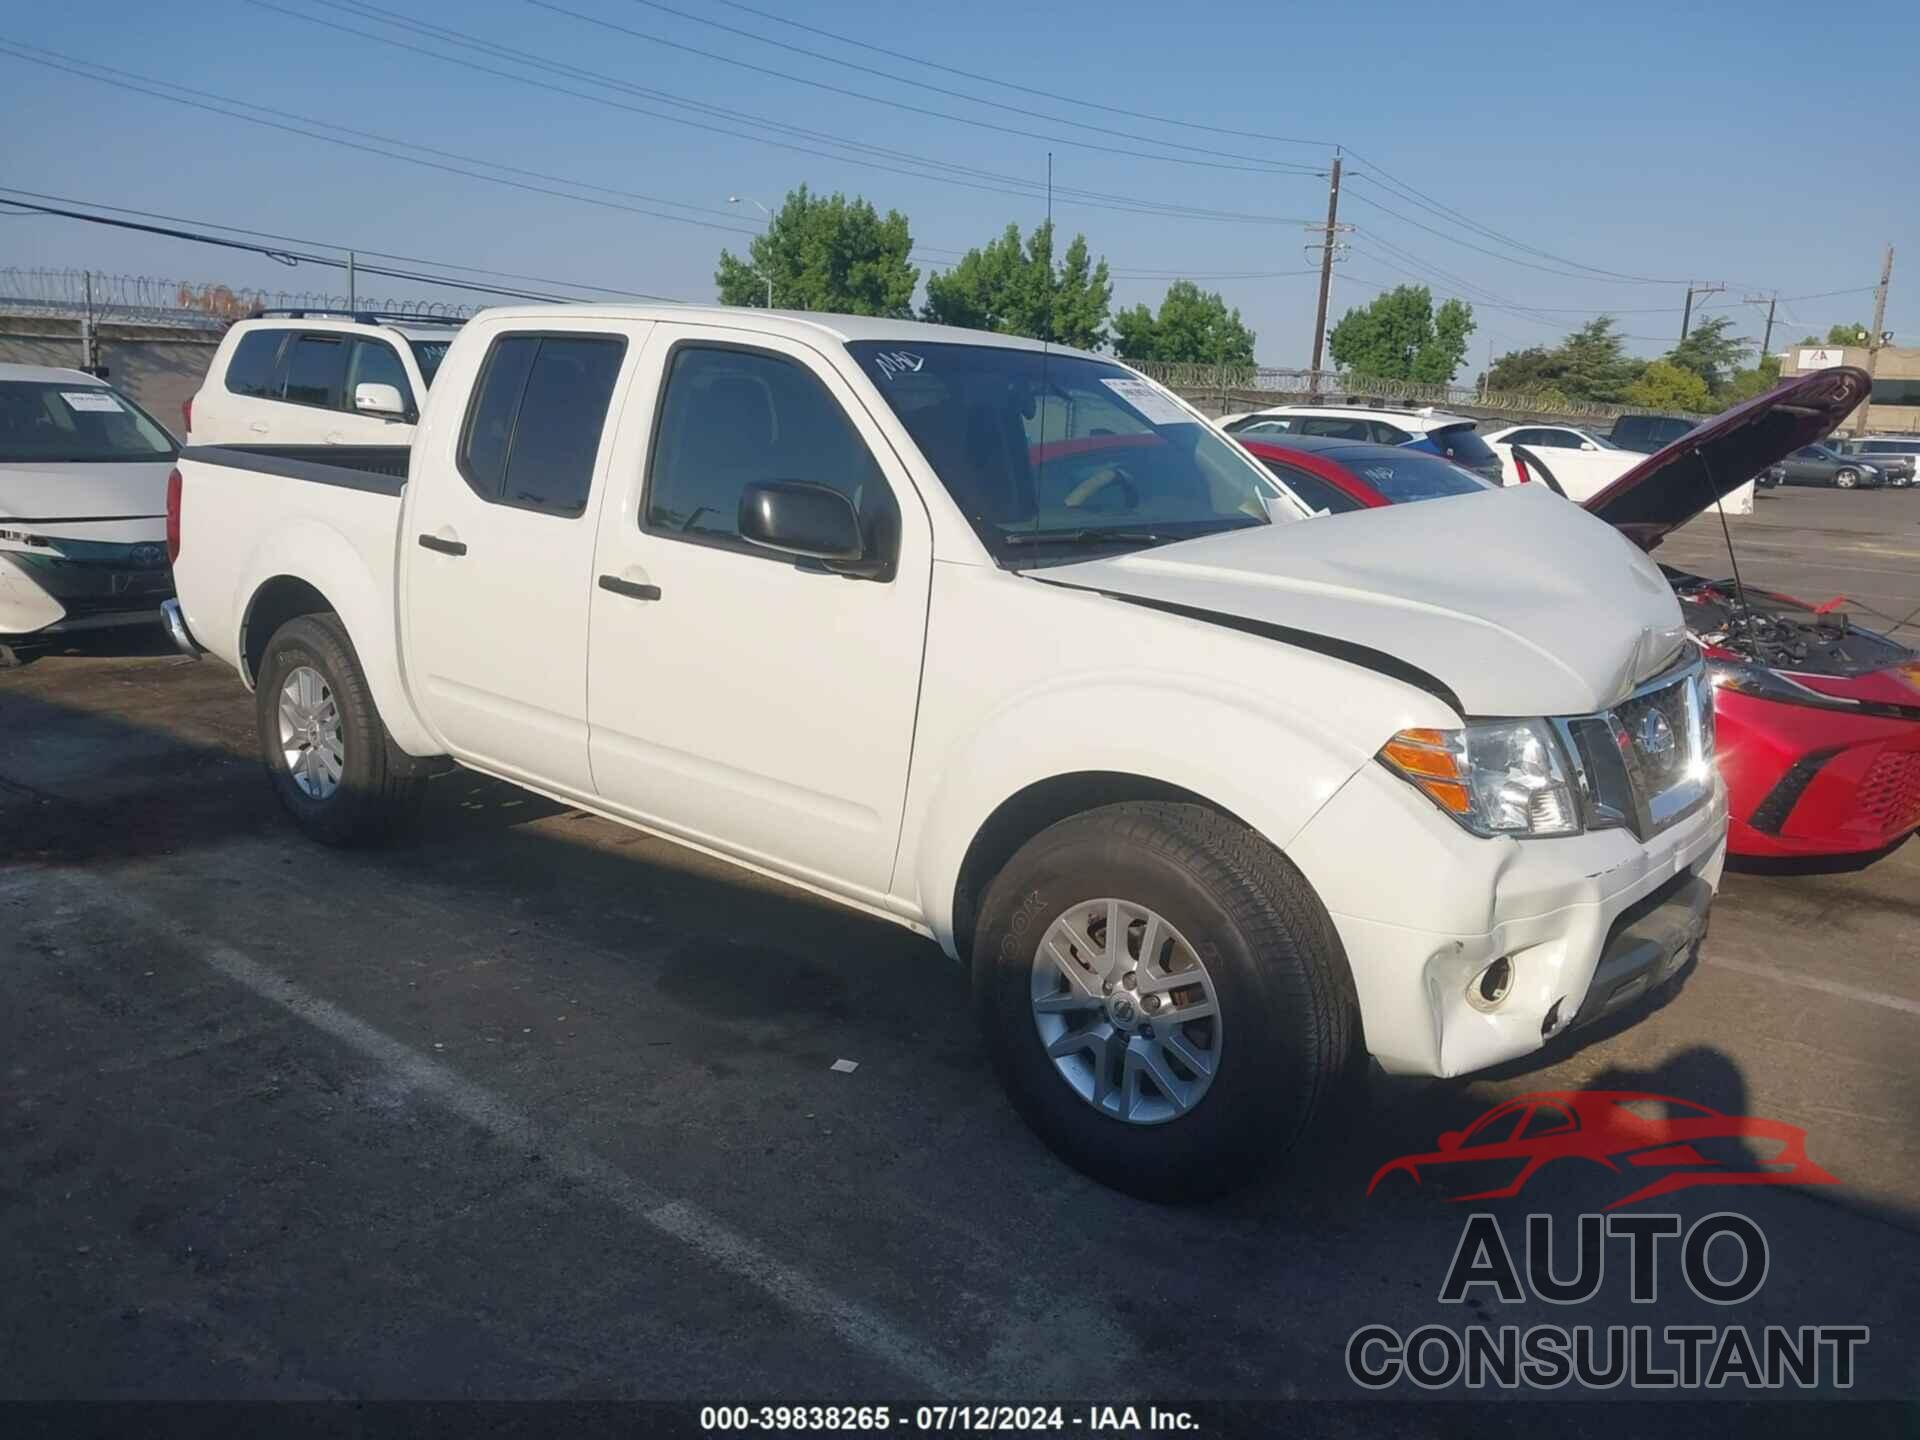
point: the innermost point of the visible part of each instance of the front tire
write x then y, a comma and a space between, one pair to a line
1164, 997
333, 765
1846, 479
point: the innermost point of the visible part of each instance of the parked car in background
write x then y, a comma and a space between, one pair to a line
1898, 458
1550, 437
1823, 465
1452, 437
1005, 644
1584, 464
83, 503
1336, 476
312, 378
1818, 718
1648, 433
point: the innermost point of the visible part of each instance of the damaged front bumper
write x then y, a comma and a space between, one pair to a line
53, 587
1584, 924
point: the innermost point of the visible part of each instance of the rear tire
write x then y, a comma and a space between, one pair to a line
331, 761
1260, 952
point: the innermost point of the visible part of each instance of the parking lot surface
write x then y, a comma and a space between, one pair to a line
531, 1106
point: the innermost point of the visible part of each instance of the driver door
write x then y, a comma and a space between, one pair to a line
755, 704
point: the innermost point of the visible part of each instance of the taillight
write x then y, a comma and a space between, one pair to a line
186, 413
1520, 468
173, 517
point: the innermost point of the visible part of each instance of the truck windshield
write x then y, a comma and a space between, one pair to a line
1050, 455
428, 354
78, 421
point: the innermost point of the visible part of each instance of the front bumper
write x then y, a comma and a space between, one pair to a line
1588, 922
43, 592
1805, 781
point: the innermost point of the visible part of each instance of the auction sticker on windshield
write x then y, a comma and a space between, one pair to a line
90, 400
1147, 398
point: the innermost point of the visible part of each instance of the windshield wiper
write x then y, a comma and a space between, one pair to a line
1085, 537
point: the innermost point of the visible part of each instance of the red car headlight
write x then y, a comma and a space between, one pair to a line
1764, 683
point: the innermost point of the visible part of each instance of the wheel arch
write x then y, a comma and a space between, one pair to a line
311, 569
1032, 809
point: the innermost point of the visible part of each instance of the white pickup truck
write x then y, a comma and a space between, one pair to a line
1004, 644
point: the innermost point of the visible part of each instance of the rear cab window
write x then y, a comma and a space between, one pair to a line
254, 369
533, 426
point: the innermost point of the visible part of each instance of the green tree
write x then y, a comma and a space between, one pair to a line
1590, 364
1400, 336
825, 252
1015, 288
1746, 384
1839, 335
1664, 385
1193, 324
1710, 352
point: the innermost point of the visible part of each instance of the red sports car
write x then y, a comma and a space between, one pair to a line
1817, 719
1656, 1143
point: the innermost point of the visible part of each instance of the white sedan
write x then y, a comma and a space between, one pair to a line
83, 505
1583, 463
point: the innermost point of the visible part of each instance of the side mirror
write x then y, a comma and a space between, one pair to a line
1450, 1141
807, 521
373, 398
1588, 445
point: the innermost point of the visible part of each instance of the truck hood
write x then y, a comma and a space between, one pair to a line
120, 502
1709, 462
1507, 602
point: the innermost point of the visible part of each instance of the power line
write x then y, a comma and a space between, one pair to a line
326, 261
356, 248
1253, 164
965, 176
1010, 85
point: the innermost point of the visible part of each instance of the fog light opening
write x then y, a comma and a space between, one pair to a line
1552, 1022
1491, 985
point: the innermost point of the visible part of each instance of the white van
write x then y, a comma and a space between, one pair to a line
304, 378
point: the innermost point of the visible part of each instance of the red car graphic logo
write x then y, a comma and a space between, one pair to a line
1675, 1143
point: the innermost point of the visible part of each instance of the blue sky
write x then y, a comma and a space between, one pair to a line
1770, 146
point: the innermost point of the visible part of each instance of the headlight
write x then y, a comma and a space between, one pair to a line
1766, 684
1496, 777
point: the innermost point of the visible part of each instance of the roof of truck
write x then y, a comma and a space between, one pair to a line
798, 323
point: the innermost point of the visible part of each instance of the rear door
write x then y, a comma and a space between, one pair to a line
498, 543
739, 698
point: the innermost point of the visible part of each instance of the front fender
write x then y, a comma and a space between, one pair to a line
308, 550
1222, 743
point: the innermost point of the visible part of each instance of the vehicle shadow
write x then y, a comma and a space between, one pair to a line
122, 642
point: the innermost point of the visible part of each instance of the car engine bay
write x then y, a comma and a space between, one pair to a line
1779, 632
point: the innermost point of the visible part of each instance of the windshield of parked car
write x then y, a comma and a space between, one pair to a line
1046, 452
428, 354
1405, 476
75, 421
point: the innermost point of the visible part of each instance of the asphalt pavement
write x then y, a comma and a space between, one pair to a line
534, 1107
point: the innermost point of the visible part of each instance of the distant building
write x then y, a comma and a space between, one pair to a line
1895, 405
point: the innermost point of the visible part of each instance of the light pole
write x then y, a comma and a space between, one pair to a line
735, 200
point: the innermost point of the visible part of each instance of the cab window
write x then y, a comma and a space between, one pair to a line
533, 426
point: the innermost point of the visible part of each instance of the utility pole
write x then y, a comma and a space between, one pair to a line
88, 360
1773, 300
1326, 272
353, 287
1878, 336
1699, 287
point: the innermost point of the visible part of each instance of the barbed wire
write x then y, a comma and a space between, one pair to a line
210, 305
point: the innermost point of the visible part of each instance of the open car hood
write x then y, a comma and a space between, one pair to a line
1504, 602
1712, 460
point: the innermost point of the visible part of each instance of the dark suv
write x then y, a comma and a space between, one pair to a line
1648, 433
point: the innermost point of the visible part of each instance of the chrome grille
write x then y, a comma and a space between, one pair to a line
1649, 760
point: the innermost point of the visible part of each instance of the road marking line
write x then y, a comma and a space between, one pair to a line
715, 1242
1814, 982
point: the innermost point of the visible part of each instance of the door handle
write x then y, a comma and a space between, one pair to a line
445, 547
629, 588
258, 427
